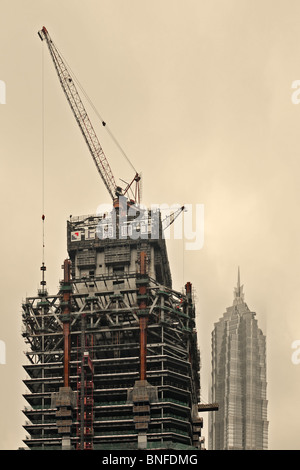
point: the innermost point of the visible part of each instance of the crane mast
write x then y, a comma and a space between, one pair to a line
85, 124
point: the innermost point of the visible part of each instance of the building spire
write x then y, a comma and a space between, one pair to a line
238, 291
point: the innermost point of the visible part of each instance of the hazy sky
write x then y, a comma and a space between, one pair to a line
199, 96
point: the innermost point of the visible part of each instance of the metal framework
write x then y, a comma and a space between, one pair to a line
85, 124
111, 337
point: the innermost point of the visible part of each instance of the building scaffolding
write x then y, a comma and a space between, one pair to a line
133, 361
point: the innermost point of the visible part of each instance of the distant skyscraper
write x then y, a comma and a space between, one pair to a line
239, 380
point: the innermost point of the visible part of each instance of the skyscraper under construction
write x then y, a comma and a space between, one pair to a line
112, 359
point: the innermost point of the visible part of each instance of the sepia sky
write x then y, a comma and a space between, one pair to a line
198, 94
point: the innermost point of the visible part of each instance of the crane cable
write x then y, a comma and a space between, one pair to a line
43, 268
43, 153
95, 109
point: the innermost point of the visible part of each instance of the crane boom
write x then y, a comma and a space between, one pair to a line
82, 118
171, 218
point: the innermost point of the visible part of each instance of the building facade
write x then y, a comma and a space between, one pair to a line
112, 358
239, 381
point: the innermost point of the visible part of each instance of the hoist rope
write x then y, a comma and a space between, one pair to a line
43, 154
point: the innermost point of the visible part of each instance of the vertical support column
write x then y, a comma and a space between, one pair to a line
81, 390
64, 399
85, 395
43, 294
66, 354
142, 296
143, 347
188, 290
141, 399
66, 309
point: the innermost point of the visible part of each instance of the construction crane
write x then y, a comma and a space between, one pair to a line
171, 218
87, 129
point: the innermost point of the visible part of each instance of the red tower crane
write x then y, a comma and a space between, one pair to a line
87, 129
